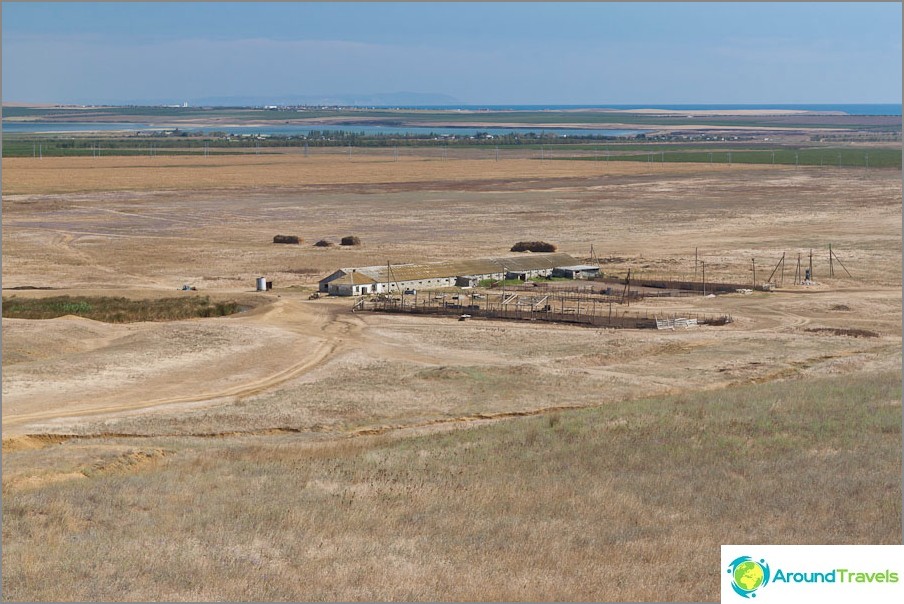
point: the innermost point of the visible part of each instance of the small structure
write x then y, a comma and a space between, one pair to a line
264, 285
353, 283
577, 271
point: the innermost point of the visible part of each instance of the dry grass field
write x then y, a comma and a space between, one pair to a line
299, 451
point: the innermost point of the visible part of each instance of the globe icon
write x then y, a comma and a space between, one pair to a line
748, 575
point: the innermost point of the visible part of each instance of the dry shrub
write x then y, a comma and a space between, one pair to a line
323, 243
533, 246
350, 240
837, 331
287, 239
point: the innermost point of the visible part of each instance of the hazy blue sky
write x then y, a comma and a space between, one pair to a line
492, 53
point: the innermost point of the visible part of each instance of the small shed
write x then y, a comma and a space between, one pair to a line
577, 271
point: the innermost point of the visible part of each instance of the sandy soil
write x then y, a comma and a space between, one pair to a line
67, 225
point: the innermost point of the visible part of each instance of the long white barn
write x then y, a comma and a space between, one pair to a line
463, 273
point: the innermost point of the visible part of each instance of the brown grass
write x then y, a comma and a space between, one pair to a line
78, 174
585, 505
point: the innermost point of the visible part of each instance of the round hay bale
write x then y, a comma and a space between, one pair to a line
287, 239
324, 243
533, 246
350, 240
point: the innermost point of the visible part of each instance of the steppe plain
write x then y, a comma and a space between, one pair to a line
301, 451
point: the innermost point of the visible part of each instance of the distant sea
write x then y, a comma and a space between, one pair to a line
298, 129
852, 109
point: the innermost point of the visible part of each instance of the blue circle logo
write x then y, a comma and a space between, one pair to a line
748, 575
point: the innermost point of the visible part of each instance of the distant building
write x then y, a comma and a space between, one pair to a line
461, 273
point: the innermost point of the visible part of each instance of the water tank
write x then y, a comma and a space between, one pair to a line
261, 284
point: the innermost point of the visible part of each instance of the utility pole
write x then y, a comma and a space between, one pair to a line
695, 264
703, 268
753, 262
782, 282
831, 266
811, 265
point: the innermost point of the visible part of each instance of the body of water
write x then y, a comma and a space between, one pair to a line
851, 109
301, 130
54, 127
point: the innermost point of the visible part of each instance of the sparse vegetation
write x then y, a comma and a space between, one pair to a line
841, 331
116, 310
577, 505
324, 243
533, 246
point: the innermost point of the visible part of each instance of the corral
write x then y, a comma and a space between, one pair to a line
588, 309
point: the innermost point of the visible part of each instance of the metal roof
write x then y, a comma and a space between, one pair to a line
358, 278
580, 267
457, 268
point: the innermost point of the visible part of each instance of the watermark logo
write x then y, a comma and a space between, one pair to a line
748, 575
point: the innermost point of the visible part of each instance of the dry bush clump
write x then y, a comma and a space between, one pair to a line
350, 240
287, 239
840, 331
533, 246
324, 243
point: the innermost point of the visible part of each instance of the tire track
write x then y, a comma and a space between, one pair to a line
332, 334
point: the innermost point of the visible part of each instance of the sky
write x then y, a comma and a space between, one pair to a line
465, 52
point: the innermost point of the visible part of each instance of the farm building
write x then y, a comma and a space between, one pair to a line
578, 271
461, 273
